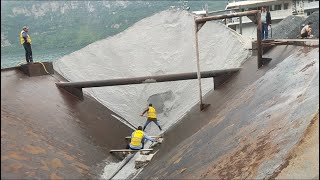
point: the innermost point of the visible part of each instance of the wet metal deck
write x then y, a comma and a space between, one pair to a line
254, 121
47, 133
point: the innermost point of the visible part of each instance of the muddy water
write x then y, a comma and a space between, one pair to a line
47, 133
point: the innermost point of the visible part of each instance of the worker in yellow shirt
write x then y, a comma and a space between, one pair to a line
137, 139
152, 116
25, 40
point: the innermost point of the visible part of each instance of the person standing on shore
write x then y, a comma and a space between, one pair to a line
265, 22
25, 40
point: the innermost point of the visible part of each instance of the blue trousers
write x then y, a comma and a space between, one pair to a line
136, 148
264, 33
153, 120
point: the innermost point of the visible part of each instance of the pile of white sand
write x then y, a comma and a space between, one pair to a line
161, 44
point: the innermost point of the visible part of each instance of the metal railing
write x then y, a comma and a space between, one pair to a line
280, 14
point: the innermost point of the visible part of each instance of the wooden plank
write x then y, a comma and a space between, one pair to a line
217, 17
296, 40
129, 137
129, 150
297, 43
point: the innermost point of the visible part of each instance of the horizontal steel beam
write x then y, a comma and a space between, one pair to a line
297, 42
146, 79
217, 17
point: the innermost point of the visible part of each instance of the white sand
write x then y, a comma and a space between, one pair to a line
161, 44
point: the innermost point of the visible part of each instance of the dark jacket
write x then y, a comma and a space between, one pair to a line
268, 18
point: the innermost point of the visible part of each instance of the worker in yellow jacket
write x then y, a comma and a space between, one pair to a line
138, 138
25, 40
152, 116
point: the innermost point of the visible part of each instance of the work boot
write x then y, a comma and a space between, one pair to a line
160, 128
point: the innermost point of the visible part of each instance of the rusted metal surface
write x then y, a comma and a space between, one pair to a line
48, 134
297, 42
75, 91
251, 128
218, 81
268, 44
265, 48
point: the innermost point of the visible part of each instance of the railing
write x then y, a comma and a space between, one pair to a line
279, 14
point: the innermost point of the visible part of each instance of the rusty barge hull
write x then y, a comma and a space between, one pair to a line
254, 121
48, 133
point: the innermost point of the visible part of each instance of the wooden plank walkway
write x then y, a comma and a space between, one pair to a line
129, 137
297, 42
129, 150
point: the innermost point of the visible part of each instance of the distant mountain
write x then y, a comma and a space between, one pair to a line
75, 24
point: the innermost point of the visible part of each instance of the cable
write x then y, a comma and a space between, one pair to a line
44, 67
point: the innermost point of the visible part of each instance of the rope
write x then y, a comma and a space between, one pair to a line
44, 67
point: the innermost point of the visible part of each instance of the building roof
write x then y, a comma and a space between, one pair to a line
256, 3
199, 12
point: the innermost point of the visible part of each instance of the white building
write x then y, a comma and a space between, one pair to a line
279, 9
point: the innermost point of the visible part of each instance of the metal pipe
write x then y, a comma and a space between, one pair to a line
240, 21
198, 62
240, 24
259, 47
210, 18
146, 79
